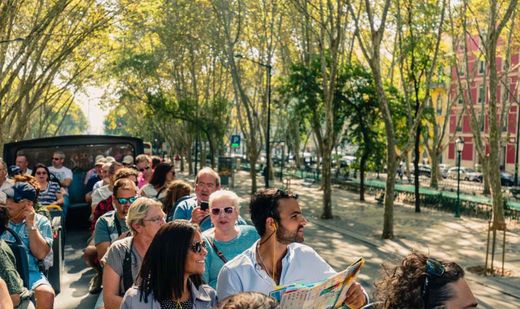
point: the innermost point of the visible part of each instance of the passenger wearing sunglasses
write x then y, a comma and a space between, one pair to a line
227, 239
50, 191
279, 257
112, 225
426, 283
171, 273
124, 257
206, 182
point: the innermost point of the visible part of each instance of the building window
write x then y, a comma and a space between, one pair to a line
481, 67
481, 94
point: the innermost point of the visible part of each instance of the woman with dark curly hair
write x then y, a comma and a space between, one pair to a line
423, 282
163, 174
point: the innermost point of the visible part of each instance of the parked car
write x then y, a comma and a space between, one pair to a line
424, 170
444, 168
466, 173
507, 179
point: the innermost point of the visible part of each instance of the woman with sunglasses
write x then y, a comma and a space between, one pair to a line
51, 192
227, 239
423, 282
124, 257
163, 174
170, 275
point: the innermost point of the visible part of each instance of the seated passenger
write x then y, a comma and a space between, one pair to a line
103, 192
93, 178
34, 230
227, 239
123, 259
143, 164
112, 226
206, 182
64, 175
170, 275
279, 257
4, 181
14, 283
105, 178
248, 300
51, 192
177, 191
163, 174
106, 205
423, 282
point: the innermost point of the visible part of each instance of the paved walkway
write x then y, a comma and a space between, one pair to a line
432, 232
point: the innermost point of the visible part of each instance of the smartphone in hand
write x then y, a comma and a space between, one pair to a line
204, 206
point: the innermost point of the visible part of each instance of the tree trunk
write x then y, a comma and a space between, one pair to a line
327, 185
436, 175
417, 184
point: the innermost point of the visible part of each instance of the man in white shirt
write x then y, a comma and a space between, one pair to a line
279, 257
64, 175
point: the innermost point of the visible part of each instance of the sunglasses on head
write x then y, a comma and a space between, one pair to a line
227, 210
197, 247
434, 269
123, 200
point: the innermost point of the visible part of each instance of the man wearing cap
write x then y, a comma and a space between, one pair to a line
36, 234
96, 176
23, 163
93, 170
128, 161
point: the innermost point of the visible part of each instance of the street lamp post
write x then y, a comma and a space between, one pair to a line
268, 68
459, 144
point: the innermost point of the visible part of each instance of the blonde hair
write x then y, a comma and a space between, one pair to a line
138, 211
225, 194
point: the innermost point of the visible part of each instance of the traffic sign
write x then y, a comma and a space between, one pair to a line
235, 141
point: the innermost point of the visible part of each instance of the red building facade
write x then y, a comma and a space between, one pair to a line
478, 95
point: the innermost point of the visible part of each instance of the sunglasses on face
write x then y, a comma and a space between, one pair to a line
56, 159
124, 201
227, 210
41, 173
197, 247
144, 169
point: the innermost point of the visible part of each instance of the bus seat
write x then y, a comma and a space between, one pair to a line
20, 254
77, 190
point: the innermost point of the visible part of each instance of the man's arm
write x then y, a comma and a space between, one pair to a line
102, 248
66, 182
38, 245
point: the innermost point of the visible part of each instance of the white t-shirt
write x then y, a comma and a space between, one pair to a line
61, 173
102, 193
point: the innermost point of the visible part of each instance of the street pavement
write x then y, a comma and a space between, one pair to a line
356, 231
357, 227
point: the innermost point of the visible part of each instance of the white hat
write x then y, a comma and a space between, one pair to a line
99, 157
128, 159
110, 159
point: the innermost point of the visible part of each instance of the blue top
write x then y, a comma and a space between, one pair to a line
247, 235
184, 209
44, 227
172, 211
301, 264
106, 228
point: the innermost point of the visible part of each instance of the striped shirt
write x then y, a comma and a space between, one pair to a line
48, 196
